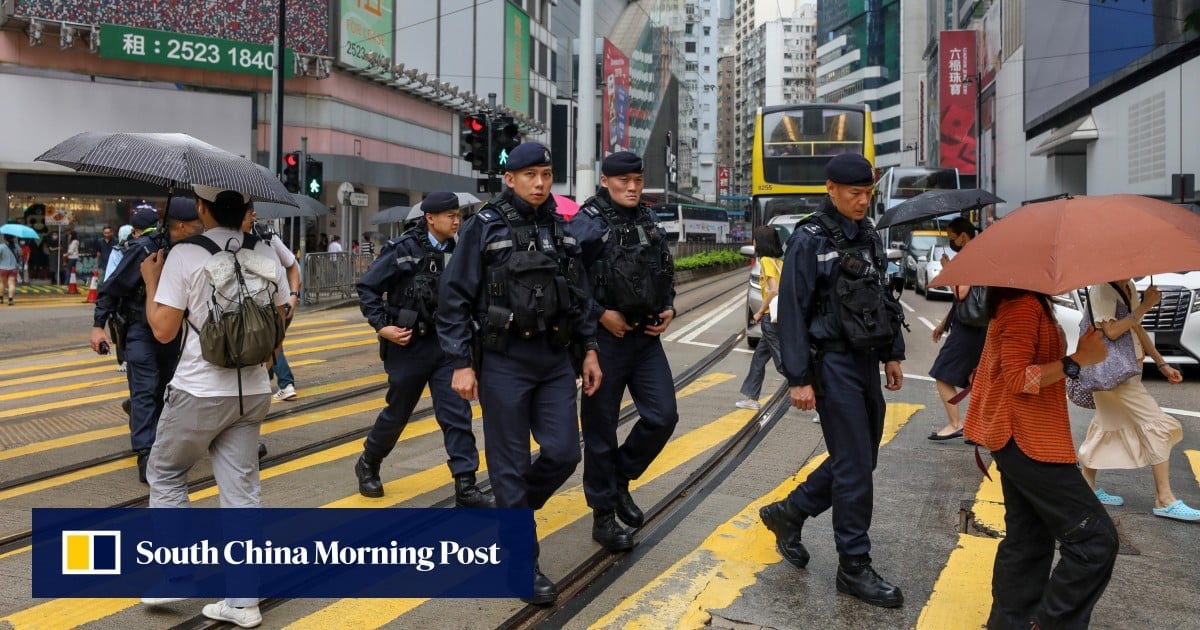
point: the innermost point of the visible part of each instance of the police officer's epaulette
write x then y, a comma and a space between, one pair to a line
488, 214
592, 211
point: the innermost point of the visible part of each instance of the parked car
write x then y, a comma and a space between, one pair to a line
930, 270
916, 248
1174, 324
784, 224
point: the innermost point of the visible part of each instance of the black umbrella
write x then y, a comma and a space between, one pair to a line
935, 203
305, 206
395, 214
172, 160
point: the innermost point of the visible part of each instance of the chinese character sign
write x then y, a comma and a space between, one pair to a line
958, 88
615, 110
367, 26
516, 59
724, 179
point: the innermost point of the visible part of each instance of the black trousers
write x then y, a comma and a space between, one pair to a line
529, 389
639, 363
409, 369
149, 366
851, 407
1044, 503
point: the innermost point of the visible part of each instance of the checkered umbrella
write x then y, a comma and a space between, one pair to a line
171, 160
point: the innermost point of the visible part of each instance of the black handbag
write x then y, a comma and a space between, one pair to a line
972, 311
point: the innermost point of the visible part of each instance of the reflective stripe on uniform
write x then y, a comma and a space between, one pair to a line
827, 256
505, 244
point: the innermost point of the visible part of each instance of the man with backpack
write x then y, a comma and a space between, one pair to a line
220, 392
121, 307
398, 296
516, 289
631, 273
838, 322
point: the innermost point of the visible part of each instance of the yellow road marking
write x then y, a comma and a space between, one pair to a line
58, 376
56, 366
73, 612
64, 388
713, 575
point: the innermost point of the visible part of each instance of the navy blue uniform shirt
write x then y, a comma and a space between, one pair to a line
398, 260
809, 265
125, 279
484, 240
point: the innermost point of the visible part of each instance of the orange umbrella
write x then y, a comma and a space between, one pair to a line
1055, 246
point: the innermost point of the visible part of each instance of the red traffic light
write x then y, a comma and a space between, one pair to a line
292, 159
474, 123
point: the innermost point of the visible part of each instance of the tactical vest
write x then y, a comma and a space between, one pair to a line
856, 305
534, 291
131, 308
418, 291
635, 275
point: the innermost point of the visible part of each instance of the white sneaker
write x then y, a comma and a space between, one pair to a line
816, 419
121, 367
287, 393
749, 403
159, 601
247, 617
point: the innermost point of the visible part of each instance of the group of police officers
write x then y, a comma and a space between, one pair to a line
517, 304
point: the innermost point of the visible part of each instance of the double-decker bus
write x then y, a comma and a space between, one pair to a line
792, 145
700, 223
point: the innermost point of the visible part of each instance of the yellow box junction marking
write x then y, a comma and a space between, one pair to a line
713, 575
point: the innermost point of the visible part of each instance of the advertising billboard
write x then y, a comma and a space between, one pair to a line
957, 90
365, 31
1072, 46
724, 181
516, 59
615, 110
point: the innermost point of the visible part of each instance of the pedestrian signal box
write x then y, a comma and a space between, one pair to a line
291, 171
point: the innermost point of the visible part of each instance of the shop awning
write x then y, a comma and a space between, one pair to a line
1071, 139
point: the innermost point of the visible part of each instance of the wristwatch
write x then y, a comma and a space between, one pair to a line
295, 293
591, 344
1070, 367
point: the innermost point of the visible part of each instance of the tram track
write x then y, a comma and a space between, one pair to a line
19, 540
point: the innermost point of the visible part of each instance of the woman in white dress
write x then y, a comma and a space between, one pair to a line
1129, 429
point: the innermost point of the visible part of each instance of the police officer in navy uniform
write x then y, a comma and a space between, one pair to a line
149, 363
838, 321
398, 296
515, 287
631, 273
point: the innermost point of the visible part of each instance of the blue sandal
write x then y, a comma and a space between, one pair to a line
1108, 499
1178, 511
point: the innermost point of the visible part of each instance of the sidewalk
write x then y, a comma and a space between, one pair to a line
48, 289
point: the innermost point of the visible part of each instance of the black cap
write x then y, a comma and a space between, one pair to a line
144, 218
440, 201
850, 169
620, 163
526, 155
182, 209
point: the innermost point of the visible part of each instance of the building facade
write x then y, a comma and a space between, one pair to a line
702, 52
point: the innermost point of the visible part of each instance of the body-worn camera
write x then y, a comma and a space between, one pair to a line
855, 265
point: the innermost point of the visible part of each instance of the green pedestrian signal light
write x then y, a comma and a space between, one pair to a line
506, 136
314, 178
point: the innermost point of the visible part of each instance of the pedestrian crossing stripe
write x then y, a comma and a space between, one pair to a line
714, 574
91, 552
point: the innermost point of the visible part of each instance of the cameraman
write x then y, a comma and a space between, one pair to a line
122, 298
280, 370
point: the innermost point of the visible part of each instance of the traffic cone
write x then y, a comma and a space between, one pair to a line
91, 298
73, 284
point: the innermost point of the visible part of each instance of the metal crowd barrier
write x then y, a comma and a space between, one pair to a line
331, 274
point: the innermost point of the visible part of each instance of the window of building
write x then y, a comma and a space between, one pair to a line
689, 47
707, 30
706, 126
707, 50
687, 28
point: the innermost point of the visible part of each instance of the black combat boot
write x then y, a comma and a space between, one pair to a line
262, 451
143, 457
609, 533
786, 523
468, 495
367, 472
627, 510
856, 577
544, 590
127, 406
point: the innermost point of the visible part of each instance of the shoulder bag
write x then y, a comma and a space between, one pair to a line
1121, 364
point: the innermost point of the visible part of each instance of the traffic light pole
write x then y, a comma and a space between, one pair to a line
277, 93
491, 116
298, 222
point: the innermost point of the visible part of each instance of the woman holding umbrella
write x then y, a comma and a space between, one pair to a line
957, 359
1129, 429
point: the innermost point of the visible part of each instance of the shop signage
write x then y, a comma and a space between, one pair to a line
144, 45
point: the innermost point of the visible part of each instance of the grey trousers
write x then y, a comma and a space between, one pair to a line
191, 426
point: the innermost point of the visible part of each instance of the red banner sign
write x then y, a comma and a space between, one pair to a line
615, 110
724, 180
957, 89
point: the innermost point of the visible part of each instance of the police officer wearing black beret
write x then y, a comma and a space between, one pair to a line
398, 296
631, 273
515, 287
838, 321
149, 364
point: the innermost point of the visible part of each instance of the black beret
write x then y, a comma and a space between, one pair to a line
850, 169
526, 155
620, 163
144, 218
440, 201
182, 209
